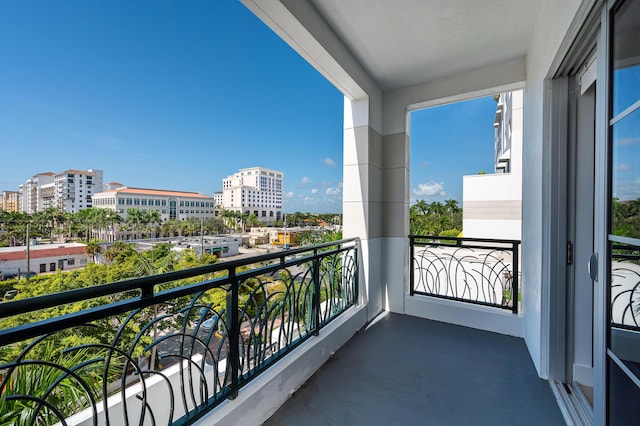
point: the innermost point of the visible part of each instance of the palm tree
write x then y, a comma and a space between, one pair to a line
253, 221
243, 217
421, 206
154, 219
118, 251
229, 218
136, 218
86, 221
93, 249
70, 219
452, 207
112, 219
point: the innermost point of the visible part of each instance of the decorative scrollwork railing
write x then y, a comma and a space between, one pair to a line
625, 287
472, 270
167, 349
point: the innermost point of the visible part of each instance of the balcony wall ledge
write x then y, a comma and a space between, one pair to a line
465, 314
258, 400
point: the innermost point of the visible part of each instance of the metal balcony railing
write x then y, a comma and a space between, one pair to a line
625, 287
167, 349
473, 270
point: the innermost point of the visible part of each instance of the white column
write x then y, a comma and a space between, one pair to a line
362, 198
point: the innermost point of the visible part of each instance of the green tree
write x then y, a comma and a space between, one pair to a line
136, 218
93, 249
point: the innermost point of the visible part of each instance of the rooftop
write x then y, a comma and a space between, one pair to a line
146, 191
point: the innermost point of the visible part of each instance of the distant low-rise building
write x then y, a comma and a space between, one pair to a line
42, 258
224, 246
172, 205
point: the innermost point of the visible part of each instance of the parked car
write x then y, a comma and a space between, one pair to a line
8, 276
208, 324
31, 274
10, 294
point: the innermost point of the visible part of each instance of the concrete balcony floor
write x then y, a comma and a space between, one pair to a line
404, 370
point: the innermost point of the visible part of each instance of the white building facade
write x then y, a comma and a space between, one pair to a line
35, 193
219, 198
172, 205
69, 191
74, 189
255, 190
492, 203
42, 258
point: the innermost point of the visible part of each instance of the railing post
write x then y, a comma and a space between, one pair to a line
316, 293
411, 267
233, 332
356, 280
514, 281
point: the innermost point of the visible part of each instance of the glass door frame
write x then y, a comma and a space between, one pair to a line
602, 220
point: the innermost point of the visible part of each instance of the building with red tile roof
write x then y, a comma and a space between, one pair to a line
42, 258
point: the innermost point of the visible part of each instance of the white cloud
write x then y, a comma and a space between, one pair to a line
289, 194
314, 191
623, 167
305, 181
333, 191
340, 184
329, 162
430, 189
311, 201
626, 141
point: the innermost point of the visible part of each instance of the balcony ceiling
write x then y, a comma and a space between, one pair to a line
406, 42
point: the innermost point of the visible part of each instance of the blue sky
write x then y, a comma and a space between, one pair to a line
178, 95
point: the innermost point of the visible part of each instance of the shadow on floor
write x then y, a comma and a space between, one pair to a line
404, 370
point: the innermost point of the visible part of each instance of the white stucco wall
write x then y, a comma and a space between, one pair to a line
491, 206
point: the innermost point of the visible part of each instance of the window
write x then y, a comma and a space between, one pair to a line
71, 261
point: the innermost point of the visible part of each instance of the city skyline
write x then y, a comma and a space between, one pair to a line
179, 96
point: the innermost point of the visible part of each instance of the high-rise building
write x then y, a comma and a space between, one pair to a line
255, 190
492, 202
219, 198
10, 201
69, 191
32, 199
74, 189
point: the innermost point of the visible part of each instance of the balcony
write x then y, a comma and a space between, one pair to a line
230, 342
411, 371
168, 348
